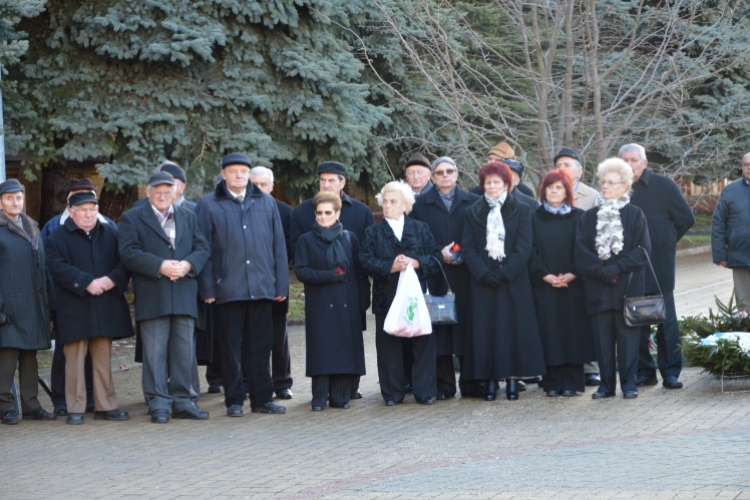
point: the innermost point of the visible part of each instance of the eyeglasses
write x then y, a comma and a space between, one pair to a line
446, 172
327, 213
609, 183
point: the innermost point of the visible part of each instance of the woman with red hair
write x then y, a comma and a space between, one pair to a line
564, 325
502, 337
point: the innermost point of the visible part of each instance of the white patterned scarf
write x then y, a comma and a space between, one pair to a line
609, 232
496, 227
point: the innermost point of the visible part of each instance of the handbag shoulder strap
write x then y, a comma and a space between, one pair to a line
440, 265
630, 275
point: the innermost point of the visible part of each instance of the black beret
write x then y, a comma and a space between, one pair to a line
173, 169
566, 152
236, 159
10, 186
517, 166
332, 167
80, 185
81, 198
161, 178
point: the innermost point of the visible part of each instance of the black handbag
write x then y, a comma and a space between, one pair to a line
642, 311
442, 309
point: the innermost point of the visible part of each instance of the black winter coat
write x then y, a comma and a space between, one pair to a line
669, 217
144, 247
333, 329
23, 286
285, 213
380, 249
448, 226
602, 296
519, 189
564, 325
74, 260
502, 336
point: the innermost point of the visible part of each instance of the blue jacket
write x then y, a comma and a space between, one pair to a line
248, 250
730, 228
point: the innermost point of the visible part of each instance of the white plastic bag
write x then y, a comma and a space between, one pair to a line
408, 315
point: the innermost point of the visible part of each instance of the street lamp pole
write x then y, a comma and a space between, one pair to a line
2, 133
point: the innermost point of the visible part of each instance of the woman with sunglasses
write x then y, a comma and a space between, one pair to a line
326, 261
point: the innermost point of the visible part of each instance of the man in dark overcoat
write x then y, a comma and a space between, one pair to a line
83, 260
669, 217
247, 271
24, 313
163, 247
442, 209
355, 217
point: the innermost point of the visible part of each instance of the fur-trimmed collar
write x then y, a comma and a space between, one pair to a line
481, 209
31, 229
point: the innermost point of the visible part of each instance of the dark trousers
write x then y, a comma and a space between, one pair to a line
391, 364
408, 358
213, 370
245, 330
446, 375
281, 364
335, 388
610, 335
564, 378
28, 374
57, 376
668, 353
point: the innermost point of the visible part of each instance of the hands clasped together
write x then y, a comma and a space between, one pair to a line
174, 269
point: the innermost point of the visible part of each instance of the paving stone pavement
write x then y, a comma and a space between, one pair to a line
688, 444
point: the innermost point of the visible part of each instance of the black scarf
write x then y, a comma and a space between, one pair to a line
335, 254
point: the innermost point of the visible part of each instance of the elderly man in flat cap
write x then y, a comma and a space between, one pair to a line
355, 217
417, 172
246, 272
90, 284
162, 246
569, 160
57, 373
24, 315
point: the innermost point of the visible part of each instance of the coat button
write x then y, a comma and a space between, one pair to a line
248, 262
75, 285
345, 305
331, 305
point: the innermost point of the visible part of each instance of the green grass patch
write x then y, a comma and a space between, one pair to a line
296, 304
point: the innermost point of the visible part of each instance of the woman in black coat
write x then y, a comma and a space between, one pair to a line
611, 243
391, 246
442, 209
503, 337
325, 260
564, 325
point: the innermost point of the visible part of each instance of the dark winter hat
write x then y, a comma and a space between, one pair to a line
81, 198
417, 159
566, 152
236, 159
80, 185
161, 178
174, 169
10, 186
516, 166
332, 167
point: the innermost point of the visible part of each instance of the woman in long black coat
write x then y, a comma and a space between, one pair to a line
336, 288
564, 325
611, 242
503, 337
442, 209
390, 246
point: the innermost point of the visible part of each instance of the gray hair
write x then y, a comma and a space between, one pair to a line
400, 187
262, 171
443, 159
629, 148
618, 166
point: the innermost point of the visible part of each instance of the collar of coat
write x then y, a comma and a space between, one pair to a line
32, 229
433, 197
72, 227
645, 176
481, 209
222, 191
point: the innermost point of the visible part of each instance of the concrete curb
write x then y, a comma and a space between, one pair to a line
694, 251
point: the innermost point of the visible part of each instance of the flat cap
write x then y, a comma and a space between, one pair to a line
80, 185
417, 159
81, 198
161, 178
503, 150
174, 169
236, 159
10, 186
566, 152
332, 167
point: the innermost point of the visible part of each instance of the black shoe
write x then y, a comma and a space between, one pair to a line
114, 415
345, 406
9, 418
74, 419
602, 395
630, 394
214, 388
192, 413
234, 411
355, 395
160, 416
391, 403
60, 410
409, 387
553, 393
39, 414
592, 380
424, 401
521, 386
568, 394
491, 394
643, 381
284, 394
270, 408
532, 380
317, 408
444, 395
671, 382
511, 389
90, 408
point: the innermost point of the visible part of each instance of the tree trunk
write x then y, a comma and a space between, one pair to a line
53, 200
113, 202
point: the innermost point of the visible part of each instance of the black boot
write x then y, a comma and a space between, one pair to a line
491, 393
511, 389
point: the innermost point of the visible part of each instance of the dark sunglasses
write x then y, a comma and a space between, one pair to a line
448, 171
